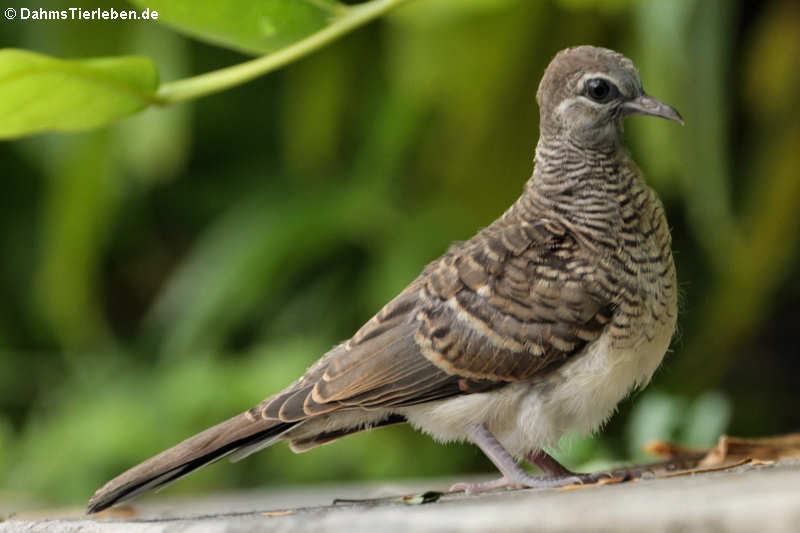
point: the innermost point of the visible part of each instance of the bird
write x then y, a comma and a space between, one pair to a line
538, 325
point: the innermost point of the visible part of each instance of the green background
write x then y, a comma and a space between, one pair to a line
171, 270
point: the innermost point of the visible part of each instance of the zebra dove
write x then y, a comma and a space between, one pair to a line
538, 325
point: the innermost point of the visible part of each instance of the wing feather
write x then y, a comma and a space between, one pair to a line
500, 308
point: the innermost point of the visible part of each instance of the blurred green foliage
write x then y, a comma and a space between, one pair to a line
176, 268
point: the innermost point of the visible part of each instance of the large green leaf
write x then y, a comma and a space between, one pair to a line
40, 93
253, 26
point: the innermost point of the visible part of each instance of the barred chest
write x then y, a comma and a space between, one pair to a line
647, 304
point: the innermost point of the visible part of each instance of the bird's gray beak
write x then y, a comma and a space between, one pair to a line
647, 105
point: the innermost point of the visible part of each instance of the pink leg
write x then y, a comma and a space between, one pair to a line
513, 474
548, 464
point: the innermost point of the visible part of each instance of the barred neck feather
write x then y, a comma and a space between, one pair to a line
590, 190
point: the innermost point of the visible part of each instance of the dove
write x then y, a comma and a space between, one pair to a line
538, 325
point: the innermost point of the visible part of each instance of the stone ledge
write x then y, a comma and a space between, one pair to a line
743, 499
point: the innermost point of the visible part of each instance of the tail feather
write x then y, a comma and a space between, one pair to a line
239, 432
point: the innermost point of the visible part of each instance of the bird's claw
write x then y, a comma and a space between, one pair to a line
528, 482
477, 488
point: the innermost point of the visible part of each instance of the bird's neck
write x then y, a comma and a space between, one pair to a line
582, 186
564, 164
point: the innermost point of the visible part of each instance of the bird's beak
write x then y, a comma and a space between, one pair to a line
647, 105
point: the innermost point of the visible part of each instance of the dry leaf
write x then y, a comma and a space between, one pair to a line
725, 466
662, 448
764, 449
728, 453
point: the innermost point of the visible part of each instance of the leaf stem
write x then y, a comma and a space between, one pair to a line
219, 80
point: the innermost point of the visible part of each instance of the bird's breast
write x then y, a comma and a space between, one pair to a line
580, 396
577, 397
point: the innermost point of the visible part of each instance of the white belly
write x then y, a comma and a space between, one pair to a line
526, 416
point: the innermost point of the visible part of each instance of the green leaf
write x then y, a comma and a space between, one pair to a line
250, 26
287, 32
41, 93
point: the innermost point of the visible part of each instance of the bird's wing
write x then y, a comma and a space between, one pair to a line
517, 301
511, 303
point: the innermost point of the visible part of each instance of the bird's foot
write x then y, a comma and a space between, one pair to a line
477, 488
514, 477
518, 481
593, 477
549, 465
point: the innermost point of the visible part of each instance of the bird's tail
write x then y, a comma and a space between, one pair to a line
235, 434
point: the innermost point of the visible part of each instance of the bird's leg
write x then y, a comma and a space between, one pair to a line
550, 465
513, 474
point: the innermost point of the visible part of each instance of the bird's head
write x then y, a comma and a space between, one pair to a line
586, 92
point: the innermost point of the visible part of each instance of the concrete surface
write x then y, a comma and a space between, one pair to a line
763, 498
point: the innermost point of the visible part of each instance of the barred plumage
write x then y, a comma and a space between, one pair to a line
539, 324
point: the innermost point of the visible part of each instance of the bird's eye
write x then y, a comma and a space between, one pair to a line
601, 90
